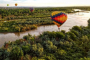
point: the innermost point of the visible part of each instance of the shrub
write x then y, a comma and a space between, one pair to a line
16, 53
77, 28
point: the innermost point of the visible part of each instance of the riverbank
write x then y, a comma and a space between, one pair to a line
50, 45
24, 25
23, 20
73, 20
20, 20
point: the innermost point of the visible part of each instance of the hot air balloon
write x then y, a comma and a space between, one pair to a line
15, 4
7, 4
58, 18
31, 9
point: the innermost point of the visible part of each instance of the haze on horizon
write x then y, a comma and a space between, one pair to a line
45, 3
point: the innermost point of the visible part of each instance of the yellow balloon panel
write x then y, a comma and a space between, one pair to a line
54, 13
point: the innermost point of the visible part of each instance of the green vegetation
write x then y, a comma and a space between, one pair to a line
21, 19
24, 13
60, 45
23, 25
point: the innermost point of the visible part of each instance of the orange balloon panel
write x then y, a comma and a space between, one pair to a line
56, 23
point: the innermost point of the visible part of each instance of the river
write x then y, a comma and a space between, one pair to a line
78, 19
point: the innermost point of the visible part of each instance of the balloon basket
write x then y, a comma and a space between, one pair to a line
58, 29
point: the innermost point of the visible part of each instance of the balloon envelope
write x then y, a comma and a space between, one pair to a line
31, 9
7, 4
15, 4
58, 18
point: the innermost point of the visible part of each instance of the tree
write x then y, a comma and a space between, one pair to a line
49, 46
72, 35
60, 54
16, 53
27, 57
17, 29
89, 23
77, 28
26, 48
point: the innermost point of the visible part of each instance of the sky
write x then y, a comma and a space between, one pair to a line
45, 3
